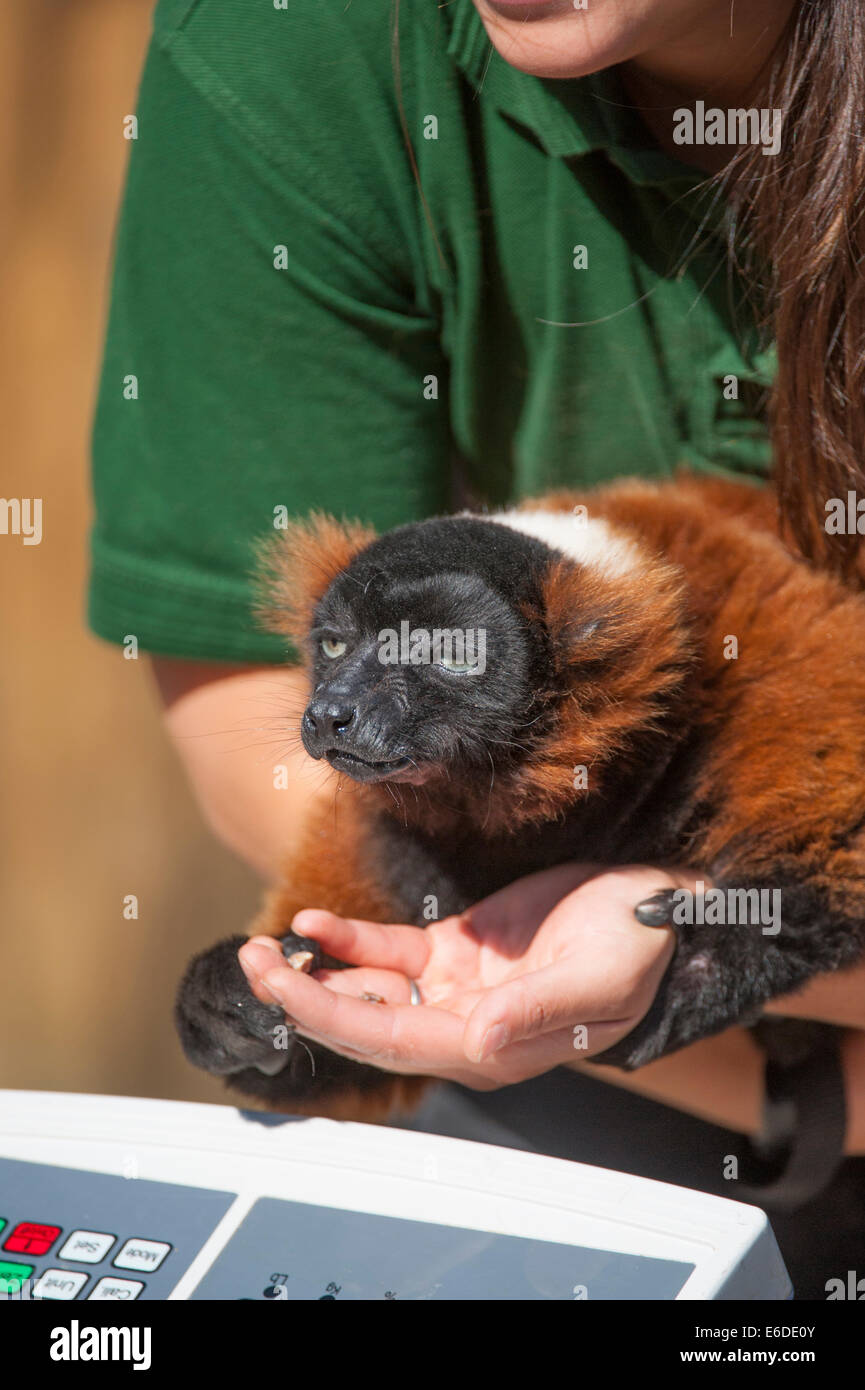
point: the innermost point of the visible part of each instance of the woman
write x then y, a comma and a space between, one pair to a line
378, 264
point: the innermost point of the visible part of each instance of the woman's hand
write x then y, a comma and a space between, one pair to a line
552, 967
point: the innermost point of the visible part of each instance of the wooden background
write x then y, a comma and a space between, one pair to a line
92, 805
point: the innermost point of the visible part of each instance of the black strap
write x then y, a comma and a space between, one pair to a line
804, 1123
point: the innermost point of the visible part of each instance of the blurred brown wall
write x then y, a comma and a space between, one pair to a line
92, 804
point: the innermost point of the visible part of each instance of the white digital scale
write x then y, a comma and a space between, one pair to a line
109, 1198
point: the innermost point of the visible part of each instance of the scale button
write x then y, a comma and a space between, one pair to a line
12, 1276
31, 1238
141, 1254
59, 1283
86, 1247
120, 1289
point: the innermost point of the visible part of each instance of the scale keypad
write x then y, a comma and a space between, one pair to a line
68, 1234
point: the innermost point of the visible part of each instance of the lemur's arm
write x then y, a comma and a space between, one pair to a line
721, 975
225, 1030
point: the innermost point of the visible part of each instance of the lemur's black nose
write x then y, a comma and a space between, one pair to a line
329, 717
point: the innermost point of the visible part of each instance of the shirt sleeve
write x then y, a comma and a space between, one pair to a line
272, 335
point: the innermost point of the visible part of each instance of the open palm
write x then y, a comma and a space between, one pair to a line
509, 989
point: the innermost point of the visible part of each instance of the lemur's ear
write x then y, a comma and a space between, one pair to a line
296, 567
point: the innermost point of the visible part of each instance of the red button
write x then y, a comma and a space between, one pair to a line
29, 1238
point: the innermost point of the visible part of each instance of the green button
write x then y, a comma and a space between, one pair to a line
2, 1222
12, 1276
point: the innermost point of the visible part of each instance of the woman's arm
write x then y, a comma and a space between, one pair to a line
235, 731
838, 998
721, 1080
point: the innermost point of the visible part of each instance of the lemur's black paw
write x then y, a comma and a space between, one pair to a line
223, 1028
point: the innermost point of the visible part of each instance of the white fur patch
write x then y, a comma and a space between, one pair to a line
589, 541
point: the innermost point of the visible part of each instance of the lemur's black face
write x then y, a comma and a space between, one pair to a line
422, 660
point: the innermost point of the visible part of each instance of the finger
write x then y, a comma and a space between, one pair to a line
385, 986
256, 956
521, 1060
261, 954
365, 943
401, 1037
538, 1003
516, 1063
424, 1041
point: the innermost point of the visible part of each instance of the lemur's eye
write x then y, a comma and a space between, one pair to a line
462, 668
332, 647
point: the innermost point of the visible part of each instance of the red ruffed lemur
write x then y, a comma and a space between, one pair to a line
607, 619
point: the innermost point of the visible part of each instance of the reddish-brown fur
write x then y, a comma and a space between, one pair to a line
297, 566
328, 869
711, 556
798, 684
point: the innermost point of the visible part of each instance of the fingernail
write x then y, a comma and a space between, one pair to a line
256, 957
247, 970
494, 1039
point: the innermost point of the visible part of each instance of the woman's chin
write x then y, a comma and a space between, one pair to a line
552, 39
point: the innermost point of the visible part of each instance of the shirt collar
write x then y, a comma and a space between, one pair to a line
570, 117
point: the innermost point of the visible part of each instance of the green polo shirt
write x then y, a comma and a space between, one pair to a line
297, 322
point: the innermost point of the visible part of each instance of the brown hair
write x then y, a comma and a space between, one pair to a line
797, 227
